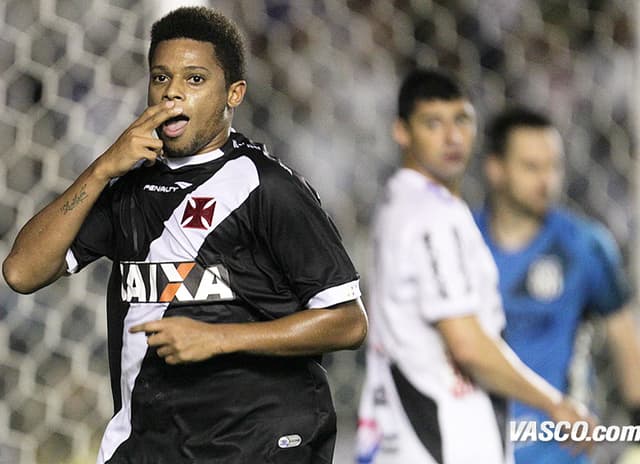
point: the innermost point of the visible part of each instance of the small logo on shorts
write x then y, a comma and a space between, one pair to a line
289, 441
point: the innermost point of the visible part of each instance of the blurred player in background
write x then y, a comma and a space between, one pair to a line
229, 281
437, 369
556, 268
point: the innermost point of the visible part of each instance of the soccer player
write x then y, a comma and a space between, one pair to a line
229, 281
556, 268
437, 369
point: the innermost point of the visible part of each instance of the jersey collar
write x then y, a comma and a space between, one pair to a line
176, 163
412, 177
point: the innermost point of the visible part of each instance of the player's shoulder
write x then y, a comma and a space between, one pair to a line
572, 222
265, 163
275, 176
417, 203
414, 191
580, 229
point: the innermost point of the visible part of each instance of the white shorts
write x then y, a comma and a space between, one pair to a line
399, 425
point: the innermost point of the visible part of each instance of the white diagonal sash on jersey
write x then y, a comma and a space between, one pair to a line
134, 347
230, 187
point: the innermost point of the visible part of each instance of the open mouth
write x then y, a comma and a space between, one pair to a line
175, 127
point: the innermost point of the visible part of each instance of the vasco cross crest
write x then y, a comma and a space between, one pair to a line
199, 213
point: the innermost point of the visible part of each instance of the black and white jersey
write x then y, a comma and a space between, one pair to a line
430, 264
229, 236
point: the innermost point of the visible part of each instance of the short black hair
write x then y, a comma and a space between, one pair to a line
427, 84
517, 117
206, 25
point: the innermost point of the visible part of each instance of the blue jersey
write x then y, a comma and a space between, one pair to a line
571, 269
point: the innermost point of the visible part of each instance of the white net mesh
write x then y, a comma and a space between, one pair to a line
323, 76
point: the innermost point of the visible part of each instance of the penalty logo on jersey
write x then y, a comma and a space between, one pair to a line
185, 282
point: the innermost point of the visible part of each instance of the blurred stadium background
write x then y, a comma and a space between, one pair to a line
323, 76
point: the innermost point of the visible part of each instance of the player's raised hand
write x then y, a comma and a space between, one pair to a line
137, 142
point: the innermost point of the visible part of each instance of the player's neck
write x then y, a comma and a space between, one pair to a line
513, 229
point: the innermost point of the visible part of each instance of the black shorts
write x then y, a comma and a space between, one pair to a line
237, 410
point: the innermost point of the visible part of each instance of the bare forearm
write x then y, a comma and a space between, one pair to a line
37, 257
492, 364
509, 377
309, 332
500, 371
38, 253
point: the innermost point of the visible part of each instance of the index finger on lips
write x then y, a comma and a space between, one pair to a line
160, 113
152, 110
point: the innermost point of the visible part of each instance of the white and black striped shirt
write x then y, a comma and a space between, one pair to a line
228, 236
430, 264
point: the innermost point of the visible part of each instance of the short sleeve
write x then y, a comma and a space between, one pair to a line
609, 288
305, 242
94, 240
446, 287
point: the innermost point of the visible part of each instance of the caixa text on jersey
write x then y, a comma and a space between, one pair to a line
187, 281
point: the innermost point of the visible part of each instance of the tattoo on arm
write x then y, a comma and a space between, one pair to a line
78, 198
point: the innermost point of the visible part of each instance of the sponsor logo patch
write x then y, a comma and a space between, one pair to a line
174, 282
289, 441
545, 278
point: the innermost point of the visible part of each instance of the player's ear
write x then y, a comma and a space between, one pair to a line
493, 170
400, 132
235, 93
